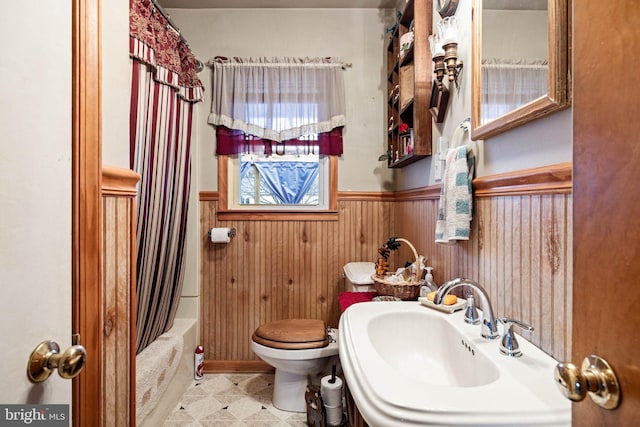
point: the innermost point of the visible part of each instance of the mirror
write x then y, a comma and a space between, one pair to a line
520, 62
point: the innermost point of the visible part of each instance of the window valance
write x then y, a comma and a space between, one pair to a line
152, 41
230, 141
277, 99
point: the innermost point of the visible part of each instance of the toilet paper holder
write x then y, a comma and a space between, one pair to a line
232, 232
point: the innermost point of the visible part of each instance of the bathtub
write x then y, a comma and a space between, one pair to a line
164, 370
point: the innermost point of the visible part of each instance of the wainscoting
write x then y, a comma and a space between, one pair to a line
118, 341
520, 250
281, 269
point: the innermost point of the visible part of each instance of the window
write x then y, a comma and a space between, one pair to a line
288, 177
296, 179
278, 131
230, 200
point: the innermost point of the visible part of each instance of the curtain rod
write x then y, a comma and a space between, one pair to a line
226, 61
166, 16
175, 28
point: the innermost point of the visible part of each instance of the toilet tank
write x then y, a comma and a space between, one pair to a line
358, 276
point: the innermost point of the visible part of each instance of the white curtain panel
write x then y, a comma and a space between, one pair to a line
277, 98
509, 84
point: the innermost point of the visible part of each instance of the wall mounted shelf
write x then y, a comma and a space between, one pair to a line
409, 80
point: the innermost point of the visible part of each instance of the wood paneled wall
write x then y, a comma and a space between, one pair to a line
281, 269
118, 297
520, 248
520, 251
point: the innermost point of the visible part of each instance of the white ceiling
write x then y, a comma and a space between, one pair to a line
256, 4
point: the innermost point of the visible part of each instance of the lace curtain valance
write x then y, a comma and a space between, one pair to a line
277, 99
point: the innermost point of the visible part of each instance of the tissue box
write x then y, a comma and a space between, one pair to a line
358, 276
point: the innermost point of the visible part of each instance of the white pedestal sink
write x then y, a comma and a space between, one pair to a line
406, 364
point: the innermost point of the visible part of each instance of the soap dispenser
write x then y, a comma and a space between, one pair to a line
429, 284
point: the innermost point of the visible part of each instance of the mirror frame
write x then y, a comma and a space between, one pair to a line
558, 94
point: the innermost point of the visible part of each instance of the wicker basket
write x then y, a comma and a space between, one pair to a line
403, 290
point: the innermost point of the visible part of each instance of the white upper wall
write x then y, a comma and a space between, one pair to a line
116, 83
358, 36
543, 142
354, 35
514, 34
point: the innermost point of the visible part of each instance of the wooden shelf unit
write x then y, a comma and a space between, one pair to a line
409, 82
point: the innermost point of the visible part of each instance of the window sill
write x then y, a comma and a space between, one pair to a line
277, 215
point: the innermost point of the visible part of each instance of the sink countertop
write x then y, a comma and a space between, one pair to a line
398, 383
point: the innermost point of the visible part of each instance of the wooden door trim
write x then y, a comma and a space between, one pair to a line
606, 214
87, 208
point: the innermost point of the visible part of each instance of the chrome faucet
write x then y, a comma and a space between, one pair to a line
488, 327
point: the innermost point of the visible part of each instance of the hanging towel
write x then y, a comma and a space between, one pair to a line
456, 197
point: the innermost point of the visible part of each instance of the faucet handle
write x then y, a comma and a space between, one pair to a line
509, 344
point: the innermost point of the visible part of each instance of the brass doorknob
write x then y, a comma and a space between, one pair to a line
46, 357
596, 378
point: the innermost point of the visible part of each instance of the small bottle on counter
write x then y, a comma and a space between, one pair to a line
429, 280
429, 284
199, 363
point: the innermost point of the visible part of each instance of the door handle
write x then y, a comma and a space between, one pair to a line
596, 378
46, 357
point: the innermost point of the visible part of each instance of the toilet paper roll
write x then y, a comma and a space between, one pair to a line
334, 415
220, 235
331, 392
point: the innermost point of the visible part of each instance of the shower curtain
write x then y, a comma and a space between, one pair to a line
164, 87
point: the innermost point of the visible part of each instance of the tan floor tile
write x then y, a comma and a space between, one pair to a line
227, 399
232, 400
203, 407
256, 384
244, 408
215, 384
219, 415
180, 418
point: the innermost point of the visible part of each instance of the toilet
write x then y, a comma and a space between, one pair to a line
297, 349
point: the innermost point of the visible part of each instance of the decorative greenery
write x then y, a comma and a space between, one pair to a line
391, 245
385, 156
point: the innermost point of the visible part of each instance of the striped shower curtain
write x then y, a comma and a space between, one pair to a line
164, 87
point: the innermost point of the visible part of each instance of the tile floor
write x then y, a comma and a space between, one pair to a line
231, 400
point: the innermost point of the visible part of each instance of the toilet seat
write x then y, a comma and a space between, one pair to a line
293, 334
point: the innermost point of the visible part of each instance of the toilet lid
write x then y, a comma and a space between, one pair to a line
293, 334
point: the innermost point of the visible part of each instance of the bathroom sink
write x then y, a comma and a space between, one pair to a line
406, 364
405, 344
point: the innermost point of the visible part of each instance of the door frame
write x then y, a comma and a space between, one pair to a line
86, 208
